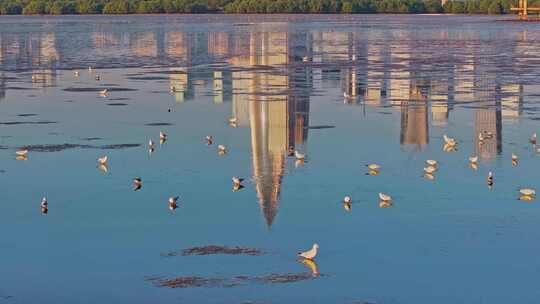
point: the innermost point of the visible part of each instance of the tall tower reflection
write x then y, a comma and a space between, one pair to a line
414, 119
278, 110
487, 119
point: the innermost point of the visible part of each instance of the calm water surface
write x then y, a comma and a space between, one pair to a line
346, 90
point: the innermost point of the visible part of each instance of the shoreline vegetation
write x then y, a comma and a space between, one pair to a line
85, 7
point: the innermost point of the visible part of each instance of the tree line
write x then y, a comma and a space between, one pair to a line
61, 7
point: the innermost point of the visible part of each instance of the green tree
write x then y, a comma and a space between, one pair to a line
62, 8
11, 8
89, 7
117, 7
495, 8
35, 7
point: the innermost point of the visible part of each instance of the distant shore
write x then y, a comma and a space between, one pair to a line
111, 7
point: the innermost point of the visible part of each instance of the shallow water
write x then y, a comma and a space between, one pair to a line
346, 90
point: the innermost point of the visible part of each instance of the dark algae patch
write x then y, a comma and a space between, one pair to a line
213, 249
26, 115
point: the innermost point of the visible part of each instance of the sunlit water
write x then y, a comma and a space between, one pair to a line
346, 90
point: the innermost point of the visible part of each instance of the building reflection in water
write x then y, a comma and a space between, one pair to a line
275, 105
414, 117
268, 76
487, 117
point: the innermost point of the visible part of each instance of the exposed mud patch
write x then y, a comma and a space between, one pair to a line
98, 89
194, 281
117, 104
19, 89
62, 147
213, 249
117, 146
148, 78
13, 123
320, 127
90, 138
158, 124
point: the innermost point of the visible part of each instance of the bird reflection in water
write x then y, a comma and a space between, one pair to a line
312, 265
103, 168
21, 157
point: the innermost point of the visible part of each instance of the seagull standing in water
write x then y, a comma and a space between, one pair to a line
104, 93
310, 254
44, 206
173, 202
151, 146
490, 179
222, 149
44, 203
533, 139
347, 200
527, 191
137, 183
515, 159
22, 152
162, 136
449, 140
385, 197
103, 160
373, 167
432, 162
299, 155
209, 140
527, 194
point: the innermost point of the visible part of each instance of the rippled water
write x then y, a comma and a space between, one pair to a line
346, 90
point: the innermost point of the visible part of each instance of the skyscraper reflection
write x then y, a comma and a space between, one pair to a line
277, 109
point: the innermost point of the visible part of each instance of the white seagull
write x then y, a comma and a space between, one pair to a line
299, 155
514, 157
22, 152
310, 254
432, 162
44, 203
527, 192
385, 197
103, 160
373, 167
473, 159
449, 140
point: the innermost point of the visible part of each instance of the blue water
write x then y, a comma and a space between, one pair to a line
346, 90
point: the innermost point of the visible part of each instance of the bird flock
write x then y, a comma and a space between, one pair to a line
385, 200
